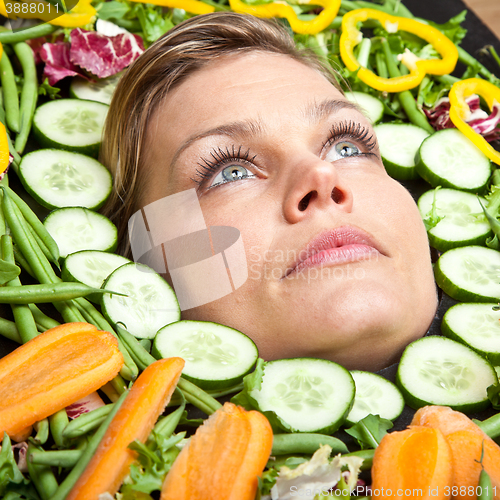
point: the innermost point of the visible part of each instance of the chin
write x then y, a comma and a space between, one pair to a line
364, 327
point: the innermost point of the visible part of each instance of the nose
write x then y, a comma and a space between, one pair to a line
315, 185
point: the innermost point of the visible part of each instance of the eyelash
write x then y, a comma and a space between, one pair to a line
223, 156
220, 158
354, 131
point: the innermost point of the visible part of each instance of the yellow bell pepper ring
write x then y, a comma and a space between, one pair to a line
4, 144
192, 6
282, 9
418, 68
4, 149
459, 110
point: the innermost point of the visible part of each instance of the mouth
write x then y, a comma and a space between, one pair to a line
332, 247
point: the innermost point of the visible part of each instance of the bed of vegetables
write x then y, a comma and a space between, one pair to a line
83, 400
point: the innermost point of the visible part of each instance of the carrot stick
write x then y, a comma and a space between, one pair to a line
53, 370
134, 420
414, 463
226, 455
466, 441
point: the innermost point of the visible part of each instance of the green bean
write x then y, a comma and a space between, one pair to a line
166, 426
364, 52
23, 318
39, 30
37, 225
29, 93
118, 384
58, 422
42, 319
42, 431
9, 92
405, 98
66, 486
69, 313
42, 476
491, 426
8, 329
284, 444
61, 458
141, 357
381, 65
129, 369
198, 397
467, 59
42, 293
86, 422
485, 486
111, 393
41, 267
19, 257
366, 455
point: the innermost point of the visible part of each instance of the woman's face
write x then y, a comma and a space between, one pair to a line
338, 258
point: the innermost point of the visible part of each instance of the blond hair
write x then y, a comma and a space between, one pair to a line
186, 48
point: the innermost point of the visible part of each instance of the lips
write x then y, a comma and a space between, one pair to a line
338, 246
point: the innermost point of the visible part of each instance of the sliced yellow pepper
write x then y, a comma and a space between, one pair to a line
4, 144
192, 6
351, 37
459, 110
282, 9
81, 14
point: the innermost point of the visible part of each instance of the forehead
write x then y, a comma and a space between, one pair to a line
251, 81
257, 86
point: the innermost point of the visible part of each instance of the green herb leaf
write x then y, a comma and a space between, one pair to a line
432, 218
154, 24
369, 431
8, 271
9, 471
112, 10
155, 460
493, 392
46, 89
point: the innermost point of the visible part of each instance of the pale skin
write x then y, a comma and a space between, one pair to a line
297, 181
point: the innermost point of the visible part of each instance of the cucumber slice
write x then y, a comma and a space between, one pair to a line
57, 179
91, 267
76, 228
100, 90
375, 395
463, 221
372, 107
399, 144
470, 274
448, 158
150, 303
305, 394
216, 356
439, 371
476, 325
71, 124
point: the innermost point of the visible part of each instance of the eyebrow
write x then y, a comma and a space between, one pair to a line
314, 113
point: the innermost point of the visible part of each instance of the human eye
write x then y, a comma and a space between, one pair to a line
224, 165
347, 140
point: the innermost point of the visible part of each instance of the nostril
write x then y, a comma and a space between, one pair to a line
337, 196
304, 202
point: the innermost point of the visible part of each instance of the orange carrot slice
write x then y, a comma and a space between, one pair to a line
414, 463
22, 435
134, 420
226, 455
466, 442
53, 370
